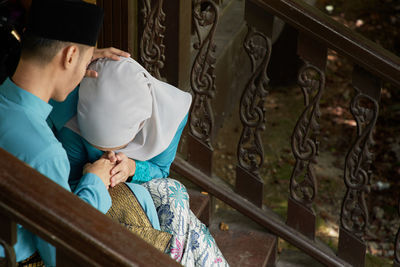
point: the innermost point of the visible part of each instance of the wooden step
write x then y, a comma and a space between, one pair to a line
243, 243
200, 205
295, 258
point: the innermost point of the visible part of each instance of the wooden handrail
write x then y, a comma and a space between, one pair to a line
73, 226
321, 27
265, 217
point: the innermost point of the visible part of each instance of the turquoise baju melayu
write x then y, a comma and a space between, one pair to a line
25, 133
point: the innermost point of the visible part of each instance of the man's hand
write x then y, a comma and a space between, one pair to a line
111, 52
124, 168
102, 168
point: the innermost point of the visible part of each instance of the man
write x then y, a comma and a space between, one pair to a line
56, 50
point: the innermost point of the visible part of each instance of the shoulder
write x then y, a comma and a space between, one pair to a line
27, 139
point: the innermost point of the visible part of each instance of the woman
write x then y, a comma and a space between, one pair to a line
128, 111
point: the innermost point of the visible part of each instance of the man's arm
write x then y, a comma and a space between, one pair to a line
91, 189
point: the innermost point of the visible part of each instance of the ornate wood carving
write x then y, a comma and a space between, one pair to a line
354, 215
357, 174
250, 151
303, 183
252, 111
202, 78
151, 43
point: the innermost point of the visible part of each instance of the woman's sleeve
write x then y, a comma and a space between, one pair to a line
158, 167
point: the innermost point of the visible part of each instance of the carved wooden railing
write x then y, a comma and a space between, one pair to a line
163, 44
372, 64
317, 33
82, 235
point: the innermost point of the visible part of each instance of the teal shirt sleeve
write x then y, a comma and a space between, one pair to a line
91, 189
158, 167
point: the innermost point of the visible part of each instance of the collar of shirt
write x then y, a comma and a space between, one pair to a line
25, 99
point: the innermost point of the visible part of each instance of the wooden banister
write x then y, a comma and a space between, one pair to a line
76, 229
345, 41
262, 216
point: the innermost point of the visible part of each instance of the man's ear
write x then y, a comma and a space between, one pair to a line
71, 54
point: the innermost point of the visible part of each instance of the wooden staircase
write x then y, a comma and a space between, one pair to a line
241, 241
221, 74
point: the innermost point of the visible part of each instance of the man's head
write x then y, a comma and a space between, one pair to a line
68, 60
61, 36
43, 50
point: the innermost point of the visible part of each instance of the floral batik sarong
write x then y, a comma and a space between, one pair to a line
192, 243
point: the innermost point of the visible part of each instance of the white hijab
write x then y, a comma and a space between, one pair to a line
126, 105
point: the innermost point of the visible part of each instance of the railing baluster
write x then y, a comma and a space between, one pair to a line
354, 214
250, 151
8, 238
151, 32
396, 261
202, 81
303, 183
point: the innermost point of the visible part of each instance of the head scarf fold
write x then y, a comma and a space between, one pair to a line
126, 105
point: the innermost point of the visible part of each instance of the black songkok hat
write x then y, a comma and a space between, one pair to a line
69, 21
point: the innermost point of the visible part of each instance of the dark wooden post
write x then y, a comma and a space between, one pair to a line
354, 215
178, 23
303, 183
202, 81
250, 150
120, 25
8, 238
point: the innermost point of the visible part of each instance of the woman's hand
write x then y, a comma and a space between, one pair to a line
111, 52
102, 168
124, 168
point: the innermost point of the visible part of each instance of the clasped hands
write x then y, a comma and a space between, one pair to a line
112, 168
